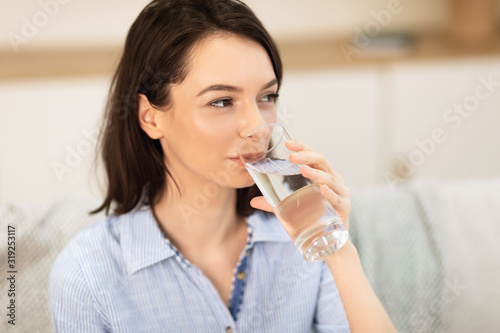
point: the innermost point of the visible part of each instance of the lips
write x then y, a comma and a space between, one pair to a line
248, 158
237, 160
252, 157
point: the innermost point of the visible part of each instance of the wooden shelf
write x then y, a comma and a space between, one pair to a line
58, 63
328, 53
309, 54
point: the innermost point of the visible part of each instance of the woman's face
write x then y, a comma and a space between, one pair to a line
229, 90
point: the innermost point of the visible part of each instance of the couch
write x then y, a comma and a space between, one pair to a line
430, 250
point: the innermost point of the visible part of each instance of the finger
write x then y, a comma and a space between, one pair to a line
297, 145
262, 204
313, 158
339, 202
341, 205
308, 156
322, 177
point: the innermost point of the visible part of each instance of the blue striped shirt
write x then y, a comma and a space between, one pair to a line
121, 274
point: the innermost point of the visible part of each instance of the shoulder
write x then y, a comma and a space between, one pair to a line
90, 245
98, 236
79, 278
93, 254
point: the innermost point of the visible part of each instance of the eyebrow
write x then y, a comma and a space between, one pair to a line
224, 87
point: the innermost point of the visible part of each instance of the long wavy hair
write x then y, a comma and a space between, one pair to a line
155, 57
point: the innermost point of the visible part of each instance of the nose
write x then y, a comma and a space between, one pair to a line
254, 145
253, 117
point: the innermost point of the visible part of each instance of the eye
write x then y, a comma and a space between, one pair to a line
222, 103
270, 98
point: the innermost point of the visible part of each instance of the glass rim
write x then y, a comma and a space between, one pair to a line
260, 127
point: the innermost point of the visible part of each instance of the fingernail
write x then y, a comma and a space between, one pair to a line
308, 169
296, 156
292, 142
326, 188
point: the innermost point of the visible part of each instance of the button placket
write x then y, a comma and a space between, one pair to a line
239, 280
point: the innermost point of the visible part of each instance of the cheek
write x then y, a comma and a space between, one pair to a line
211, 142
212, 128
270, 115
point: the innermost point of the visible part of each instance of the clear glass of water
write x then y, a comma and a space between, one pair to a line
295, 199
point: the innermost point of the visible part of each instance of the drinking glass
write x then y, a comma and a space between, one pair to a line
296, 200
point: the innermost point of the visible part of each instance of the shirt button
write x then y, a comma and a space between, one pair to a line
229, 329
240, 275
247, 253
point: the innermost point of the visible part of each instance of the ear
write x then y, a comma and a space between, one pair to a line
148, 117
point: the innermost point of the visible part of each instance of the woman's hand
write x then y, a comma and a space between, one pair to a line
319, 170
363, 309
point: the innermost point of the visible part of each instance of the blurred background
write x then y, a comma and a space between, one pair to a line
394, 92
388, 90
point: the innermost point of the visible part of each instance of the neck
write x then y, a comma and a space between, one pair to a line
201, 220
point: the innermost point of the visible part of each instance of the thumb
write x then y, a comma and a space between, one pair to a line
262, 204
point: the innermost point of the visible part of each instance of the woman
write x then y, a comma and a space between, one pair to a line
191, 245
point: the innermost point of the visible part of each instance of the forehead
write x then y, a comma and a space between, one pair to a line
229, 59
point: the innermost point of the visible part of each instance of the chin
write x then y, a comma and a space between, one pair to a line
244, 181
241, 181
251, 183
232, 176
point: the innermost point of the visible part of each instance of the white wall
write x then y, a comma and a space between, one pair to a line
428, 96
335, 112
78, 23
42, 124
376, 123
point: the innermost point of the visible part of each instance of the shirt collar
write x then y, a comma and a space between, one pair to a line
141, 240
267, 228
143, 244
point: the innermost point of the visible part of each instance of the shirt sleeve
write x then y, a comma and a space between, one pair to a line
72, 307
330, 314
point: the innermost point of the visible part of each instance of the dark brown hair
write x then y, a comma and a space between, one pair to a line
155, 56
